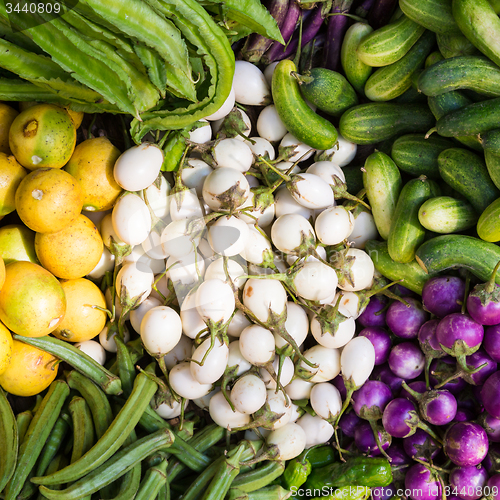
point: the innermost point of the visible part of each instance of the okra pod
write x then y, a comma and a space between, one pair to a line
259, 477
52, 446
83, 428
198, 486
9, 440
153, 481
274, 492
126, 369
23, 421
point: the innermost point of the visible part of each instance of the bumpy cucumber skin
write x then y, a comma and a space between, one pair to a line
488, 225
445, 215
454, 45
435, 15
492, 160
293, 110
491, 141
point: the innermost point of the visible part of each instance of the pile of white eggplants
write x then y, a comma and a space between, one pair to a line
225, 278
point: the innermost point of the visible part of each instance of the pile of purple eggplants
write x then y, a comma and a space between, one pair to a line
432, 403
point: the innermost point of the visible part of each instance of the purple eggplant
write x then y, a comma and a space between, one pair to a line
423, 483
463, 415
468, 481
418, 386
465, 443
483, 303
406, 360
381, 13
348, 423
364, 9
494, 487
490, 395
443, 369
402, 291
364, 438
429, 345
443, 295
375, 312
385, 375
420, 445
491, 426
491, 342
338, 382
381, 341
405, 320
370, 400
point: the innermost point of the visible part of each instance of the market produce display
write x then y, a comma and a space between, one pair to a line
250, 251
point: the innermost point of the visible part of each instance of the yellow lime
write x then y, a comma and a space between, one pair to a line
6, 343
7, 116
17, 242
11, 175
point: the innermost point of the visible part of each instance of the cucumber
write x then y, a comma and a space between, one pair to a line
466, 172
382, 181
393, 80
416, 155
479, 22
492, 161
406, 233
356, 71
444, 215
435, 15
376, 121
298, 117
411, 96
459, 251
328, 90
491, 140
390, 43
476, 73
488, 225
433, 58
410, 275
455, 44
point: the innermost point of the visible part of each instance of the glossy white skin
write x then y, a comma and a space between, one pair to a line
106, 263
252, 180
268, 72
185, 205
131, 219
224, 110
204, 402
334, 225
108, 233
343, 152
214, 365
235, 358
288, 231
328, 361
165, 411
183, 383
364, 230
205, 249
296, 325
299, 389
237, 324
140, 257
277, 404
187, 269
285, 166
362, 271
263, 218
138, 280
201, 135
138, 167
250, 85
327, 171
158, 198
179, 353
161, 330
194, 173
260, 147
315, 281
349, 304
357, 360
262, 295
285, 204
312, 191
296, 413
269, 124
177, 240
302, 151
233, 153
216, 270
221, 180
137, 314
152, 246
257, 345
215, 301
325, 400
290, 440
248, 394
110, 344
216, 125
228, 235
192, 322
223, 415
93, 349
316, 429
343, 335
256, 245
287, 372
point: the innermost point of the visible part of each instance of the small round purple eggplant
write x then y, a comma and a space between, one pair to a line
398, 454
418, 386
429, 345
468, 481
483, 303
463, 415
443, 295
348, 423
370, 400
338, 382
423, 483
381, 341
405, 320
385, 375
444, 369
420, 445
374, 314
484, 365
494, 487
465, 443
364, 438
400, 418
490, 395
406, 360
491, 342
491, 426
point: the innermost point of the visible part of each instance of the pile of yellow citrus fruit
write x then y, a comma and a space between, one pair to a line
49, 181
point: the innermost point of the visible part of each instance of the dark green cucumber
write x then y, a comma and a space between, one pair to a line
328, 90
491, 140
445, 215
390, 43
382, 181
479, 22
455, 44
466, 173
459, 251
393, 80
406, 233
411, 96
488, 225
476, 73
412, 276
376, 121
435, 15
433, 58
416, 155
492, 161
